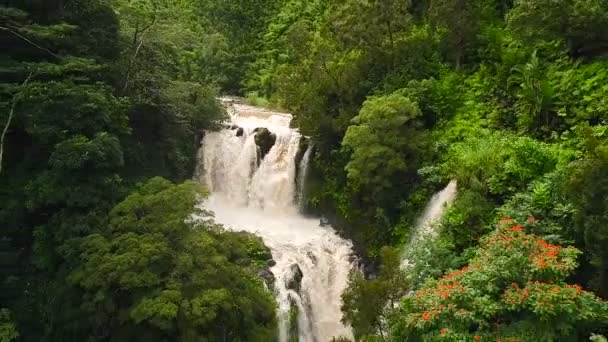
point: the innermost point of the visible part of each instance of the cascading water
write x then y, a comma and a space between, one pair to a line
302, 173
425, 225
312, 262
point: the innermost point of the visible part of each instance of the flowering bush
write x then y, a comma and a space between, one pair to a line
513, 290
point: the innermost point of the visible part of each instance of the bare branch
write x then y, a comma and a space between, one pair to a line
10, 117
29, 41
141, 42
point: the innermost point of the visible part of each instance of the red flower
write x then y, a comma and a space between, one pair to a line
443, 331
477, 337
517, 228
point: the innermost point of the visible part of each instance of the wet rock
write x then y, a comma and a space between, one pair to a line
293, 280
240, 131
323, 222
303, 145
271, 263
312, 257
268, 278
264, 139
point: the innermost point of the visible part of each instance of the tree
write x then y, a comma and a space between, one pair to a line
581, 24
460, 22
77, 133
158, 271
585, 185
379, 141
367, 304
373, 24
514, 288
241, 23
164, 74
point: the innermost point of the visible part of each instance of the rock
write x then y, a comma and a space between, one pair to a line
293, 281
271, 263
303, 145
240, 131
264, 139
312, 257
268, 278
323, 221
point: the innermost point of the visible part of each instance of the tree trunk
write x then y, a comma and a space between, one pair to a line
10, 117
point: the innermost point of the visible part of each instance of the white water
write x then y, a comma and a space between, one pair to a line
302, 173
425, 227
262, 200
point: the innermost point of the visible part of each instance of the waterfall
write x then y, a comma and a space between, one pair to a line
302, 173
426, 224
262, 200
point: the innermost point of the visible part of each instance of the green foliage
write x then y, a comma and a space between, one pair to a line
169, 273
90, 119
379, 141
534, 94
579, 92
507, 97
580, 24
586, 182
240, 24
472, 210
459, 22
163, 72
367, 303
8, 331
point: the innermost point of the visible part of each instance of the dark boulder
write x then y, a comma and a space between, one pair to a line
268, 278
312, 257
303, 145
240, 131
264, 139
293, 280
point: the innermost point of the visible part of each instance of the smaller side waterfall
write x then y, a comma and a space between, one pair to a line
302, 172
426, 224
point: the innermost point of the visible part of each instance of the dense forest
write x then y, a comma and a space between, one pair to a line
103, 104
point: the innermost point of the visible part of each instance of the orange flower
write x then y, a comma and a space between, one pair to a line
443, 331
426, 316
477, 337
517, 228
